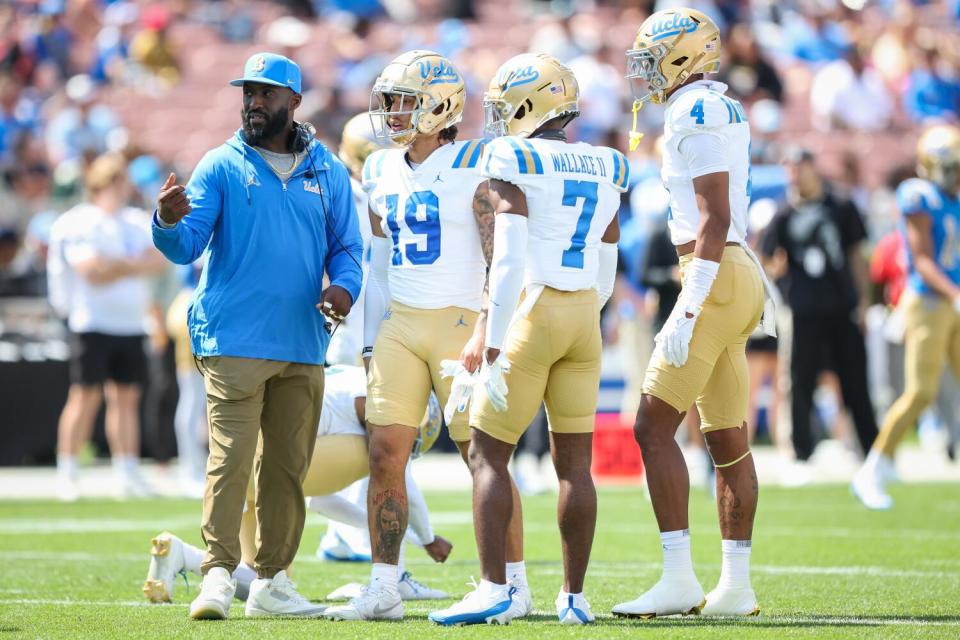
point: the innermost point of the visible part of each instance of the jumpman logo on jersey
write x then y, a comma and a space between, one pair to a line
461, 322
437, 179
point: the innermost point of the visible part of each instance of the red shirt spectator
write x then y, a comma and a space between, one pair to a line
888, 266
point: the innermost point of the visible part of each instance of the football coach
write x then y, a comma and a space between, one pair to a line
273, 209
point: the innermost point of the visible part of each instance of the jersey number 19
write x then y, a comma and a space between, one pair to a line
429, 226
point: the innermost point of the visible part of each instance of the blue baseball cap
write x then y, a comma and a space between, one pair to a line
270, 68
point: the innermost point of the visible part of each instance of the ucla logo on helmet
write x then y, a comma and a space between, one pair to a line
520, 76
441, 73
673, 26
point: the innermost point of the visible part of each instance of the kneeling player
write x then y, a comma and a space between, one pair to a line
556, 230
700, 354
339, 459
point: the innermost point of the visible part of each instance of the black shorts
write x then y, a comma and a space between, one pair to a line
98, 357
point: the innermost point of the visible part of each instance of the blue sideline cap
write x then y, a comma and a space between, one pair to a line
270, 68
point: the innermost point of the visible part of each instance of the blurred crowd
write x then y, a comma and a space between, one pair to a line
836, 92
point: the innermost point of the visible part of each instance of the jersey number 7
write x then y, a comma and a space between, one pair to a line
574, 190
429, 226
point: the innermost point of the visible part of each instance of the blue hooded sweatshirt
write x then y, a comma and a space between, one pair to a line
268, 244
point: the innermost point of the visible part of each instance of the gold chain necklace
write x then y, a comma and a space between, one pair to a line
281, 174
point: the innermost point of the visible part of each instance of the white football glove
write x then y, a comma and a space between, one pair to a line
461, 389
491, 377
674, 338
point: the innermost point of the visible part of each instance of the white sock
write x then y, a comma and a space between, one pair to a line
517, 573
735, 571
676, 554
385, 575
874, 457
67, 466
192, 557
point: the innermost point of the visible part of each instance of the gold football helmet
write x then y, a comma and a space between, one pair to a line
422, 84
357, 142
529, 90
429, 429
938, 156
671, 46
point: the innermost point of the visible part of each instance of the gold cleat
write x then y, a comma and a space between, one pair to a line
160, 546
156, 592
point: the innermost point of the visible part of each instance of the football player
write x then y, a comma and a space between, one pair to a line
700, 351
931, 303
556, 234
339, 458
431, 235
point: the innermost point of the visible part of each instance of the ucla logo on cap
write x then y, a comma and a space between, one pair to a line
258, 64
440, 73
524, 75
673, 26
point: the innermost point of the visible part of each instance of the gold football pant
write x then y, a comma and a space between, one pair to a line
932, 340
715, 374
406, 365
554, 355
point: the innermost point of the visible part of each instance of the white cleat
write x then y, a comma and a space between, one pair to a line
869, 488
726, 601
166, 562
278, 597
68, 489
410, 589
371, 604
346, 592
666, 598
522, 602
216, 594
477, 607
573, 609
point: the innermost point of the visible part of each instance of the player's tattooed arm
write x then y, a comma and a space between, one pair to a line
390, 507
483, 212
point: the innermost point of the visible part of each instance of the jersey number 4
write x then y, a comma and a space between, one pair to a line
574, 190
427, 224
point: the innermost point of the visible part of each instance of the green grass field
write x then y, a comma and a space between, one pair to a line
823, 567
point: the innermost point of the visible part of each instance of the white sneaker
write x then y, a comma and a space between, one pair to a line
573, 609
278, 597
869, 488
166, 561
216, 593
885, 469
371, 604
410, 589
68, 489
727, 601
668, 597
522, 602
493, 606
796, 474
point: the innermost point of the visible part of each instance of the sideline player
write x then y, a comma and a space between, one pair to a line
556, 239
339, 458
424, 291
700, 351
931, 222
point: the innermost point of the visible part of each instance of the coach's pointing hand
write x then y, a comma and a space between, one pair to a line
172, 203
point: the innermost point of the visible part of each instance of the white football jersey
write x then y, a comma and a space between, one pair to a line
573, 192
342, 385
427, 213
702, 107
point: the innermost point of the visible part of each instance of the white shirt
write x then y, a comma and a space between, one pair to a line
859, 102
573, 192
705, 132
427, 214
84, 232
342, 385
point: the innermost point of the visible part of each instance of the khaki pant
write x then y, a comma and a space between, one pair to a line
247, 397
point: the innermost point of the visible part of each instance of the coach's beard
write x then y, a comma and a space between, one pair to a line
268, 127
